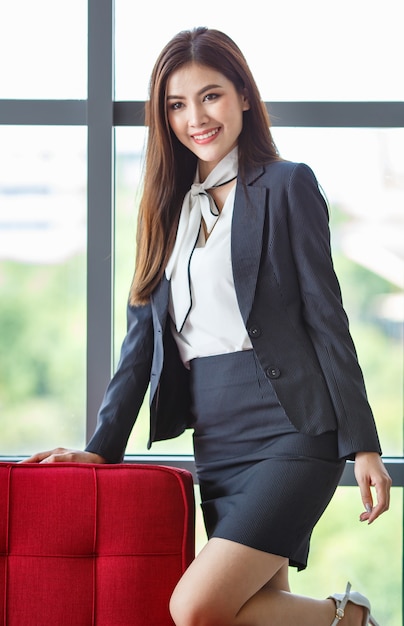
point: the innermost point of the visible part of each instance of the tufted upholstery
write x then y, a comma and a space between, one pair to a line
92, 545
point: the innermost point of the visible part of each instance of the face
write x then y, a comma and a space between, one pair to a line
205, 112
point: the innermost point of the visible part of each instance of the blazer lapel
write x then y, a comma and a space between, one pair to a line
247, 234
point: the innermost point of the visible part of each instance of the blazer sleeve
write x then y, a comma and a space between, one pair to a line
125, 393
324, 315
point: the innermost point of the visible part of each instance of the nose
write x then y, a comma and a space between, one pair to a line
197, 115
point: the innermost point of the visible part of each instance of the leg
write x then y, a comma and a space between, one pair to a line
229, 584
280, 580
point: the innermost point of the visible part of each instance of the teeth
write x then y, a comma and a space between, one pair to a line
206, 135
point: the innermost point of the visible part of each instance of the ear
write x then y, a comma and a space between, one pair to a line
244, 100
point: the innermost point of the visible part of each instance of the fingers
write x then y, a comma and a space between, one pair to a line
74, 456
39, 457
382, 486
371, 473
63, 455
60, 456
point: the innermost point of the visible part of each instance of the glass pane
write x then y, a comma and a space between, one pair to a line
43, 47
362, 173
42, 288
298, 51
370, 557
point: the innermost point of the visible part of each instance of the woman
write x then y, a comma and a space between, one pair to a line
235, 318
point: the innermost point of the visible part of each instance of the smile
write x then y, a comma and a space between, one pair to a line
207, 135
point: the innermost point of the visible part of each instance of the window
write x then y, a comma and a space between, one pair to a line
73, 263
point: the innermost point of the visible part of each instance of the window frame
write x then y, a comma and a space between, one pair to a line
101, 115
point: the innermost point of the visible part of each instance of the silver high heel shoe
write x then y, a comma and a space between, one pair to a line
342, 600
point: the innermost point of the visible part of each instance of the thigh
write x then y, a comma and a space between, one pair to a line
222, 578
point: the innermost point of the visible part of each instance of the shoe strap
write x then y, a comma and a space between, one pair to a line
341, 604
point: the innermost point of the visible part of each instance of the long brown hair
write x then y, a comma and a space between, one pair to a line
169, 166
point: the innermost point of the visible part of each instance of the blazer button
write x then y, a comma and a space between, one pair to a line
273, 372
254, 331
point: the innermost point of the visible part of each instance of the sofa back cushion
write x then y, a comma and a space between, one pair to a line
92, 545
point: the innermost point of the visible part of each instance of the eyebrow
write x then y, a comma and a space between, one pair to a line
199, 93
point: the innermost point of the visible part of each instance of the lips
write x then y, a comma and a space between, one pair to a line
206, 137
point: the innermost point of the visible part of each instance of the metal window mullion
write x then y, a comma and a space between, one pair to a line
337, 114
100, 203
300, 114
43, 112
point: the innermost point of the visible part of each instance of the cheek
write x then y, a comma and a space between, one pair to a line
175, 124
235, 118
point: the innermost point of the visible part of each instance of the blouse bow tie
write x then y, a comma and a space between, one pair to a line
207, 207
197, 203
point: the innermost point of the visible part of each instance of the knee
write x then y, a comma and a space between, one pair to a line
183, 611
188, 611
180, 612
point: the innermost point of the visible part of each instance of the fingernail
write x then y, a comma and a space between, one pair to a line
368, 508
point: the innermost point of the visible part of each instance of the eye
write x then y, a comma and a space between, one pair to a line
175, 106
211, 96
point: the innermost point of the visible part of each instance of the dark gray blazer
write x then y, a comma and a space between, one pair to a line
290, 301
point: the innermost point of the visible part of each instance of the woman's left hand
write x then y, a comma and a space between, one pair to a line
371, 472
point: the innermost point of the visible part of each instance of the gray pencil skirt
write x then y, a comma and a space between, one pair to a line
263, 484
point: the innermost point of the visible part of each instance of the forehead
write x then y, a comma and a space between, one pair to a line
192, 77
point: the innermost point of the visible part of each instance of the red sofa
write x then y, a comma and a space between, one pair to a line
92, 545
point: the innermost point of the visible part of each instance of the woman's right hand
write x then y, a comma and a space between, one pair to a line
63, 455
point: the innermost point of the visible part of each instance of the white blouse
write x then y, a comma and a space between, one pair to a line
214, 324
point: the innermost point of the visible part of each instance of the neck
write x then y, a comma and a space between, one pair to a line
204, 169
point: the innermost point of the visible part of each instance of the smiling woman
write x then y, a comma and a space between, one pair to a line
243, 338
207, 117
216, 115
353, 138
